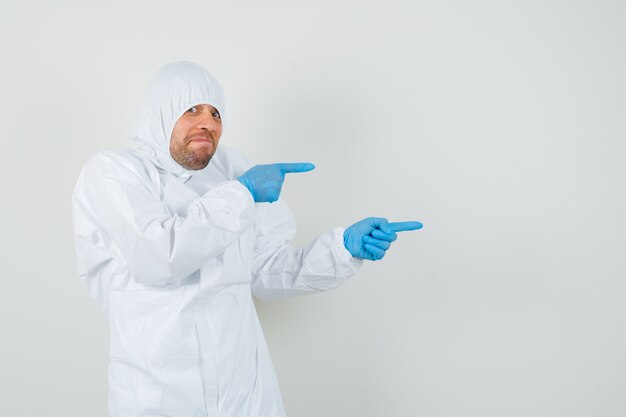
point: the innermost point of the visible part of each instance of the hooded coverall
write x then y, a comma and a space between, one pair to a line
174, 256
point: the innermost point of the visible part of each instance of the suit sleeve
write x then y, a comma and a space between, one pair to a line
282, 271
159, 247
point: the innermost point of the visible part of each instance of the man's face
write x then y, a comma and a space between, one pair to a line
195, 136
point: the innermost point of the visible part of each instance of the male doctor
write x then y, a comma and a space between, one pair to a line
175, 235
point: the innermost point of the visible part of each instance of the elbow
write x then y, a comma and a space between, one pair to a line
153, 278
157, 273
267, 297
152, 264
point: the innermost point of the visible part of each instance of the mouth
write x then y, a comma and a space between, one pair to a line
200, 139
202, 142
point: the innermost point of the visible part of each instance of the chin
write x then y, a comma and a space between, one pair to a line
194, 161
201, 163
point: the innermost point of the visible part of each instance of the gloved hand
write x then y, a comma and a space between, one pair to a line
371, 237
265, 181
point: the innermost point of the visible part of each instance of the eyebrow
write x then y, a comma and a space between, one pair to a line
203, 104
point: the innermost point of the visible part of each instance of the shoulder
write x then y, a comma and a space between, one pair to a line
123, 159
124, 165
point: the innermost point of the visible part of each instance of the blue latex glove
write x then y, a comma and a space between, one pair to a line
265, 181
371, 237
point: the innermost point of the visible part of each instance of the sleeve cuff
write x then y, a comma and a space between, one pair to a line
340, 249
243, 190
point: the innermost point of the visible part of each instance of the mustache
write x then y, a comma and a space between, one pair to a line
204, 137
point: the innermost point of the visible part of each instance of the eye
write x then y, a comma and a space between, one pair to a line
216, 114
194, 109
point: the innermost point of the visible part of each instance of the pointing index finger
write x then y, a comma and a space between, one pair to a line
289, 167
405, 226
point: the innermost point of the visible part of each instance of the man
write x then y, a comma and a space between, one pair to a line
174, 236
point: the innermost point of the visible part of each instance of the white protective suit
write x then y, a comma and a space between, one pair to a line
174, 256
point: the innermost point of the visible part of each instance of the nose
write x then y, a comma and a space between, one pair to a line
209, 122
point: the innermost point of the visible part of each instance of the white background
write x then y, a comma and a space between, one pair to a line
501, 125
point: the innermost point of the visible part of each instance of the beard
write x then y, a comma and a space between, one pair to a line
192, 159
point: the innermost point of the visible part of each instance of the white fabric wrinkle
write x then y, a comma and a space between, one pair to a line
174, 256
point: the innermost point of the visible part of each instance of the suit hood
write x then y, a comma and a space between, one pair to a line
173, 90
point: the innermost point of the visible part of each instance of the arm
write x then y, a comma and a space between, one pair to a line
160, 248
281, 271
